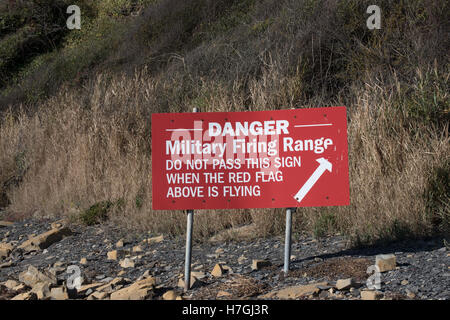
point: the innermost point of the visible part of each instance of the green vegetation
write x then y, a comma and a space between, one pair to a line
325, 224
28, 29
97, 213
438, 197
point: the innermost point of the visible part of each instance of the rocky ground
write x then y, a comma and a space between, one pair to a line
36, 259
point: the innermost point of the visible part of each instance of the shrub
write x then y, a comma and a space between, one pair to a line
438, 197
325, 223
97, 213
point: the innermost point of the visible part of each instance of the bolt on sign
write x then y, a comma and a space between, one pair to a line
261, 159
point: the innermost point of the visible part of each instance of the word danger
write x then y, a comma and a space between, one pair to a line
255, 128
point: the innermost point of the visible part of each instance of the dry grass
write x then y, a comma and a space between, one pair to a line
75, 153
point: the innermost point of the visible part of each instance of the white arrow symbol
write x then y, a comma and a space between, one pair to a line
324, 164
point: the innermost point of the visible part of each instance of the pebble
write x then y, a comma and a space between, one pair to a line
426, 269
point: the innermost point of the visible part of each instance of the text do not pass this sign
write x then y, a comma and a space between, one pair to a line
261, 159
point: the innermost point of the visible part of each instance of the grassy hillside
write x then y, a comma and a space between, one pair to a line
75, 130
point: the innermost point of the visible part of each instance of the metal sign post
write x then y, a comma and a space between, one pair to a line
287, 241
187, 266
187, 262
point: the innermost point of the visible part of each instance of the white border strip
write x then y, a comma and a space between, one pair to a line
184, 129
313, 125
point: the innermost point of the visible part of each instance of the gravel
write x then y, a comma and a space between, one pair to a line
423, 269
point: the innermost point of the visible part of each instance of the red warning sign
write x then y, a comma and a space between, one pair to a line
261, 159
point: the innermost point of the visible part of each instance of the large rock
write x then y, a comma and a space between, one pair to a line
386, 262
223, 294
259, 264
42, 290
58, 224
55, 271
127, 263
120, 243
140, 290
84, 288
112, 255
217, 271
97, 296
45, 239
410, 294
4, 224
6, 246
296, 292
59, 293
195, 283
5, 250
33, 276
371, 295
10, 284
170, 295
344, 284
20, 287
116, 254
199, 275
25, 296
154, 239
6, 264
113, 284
